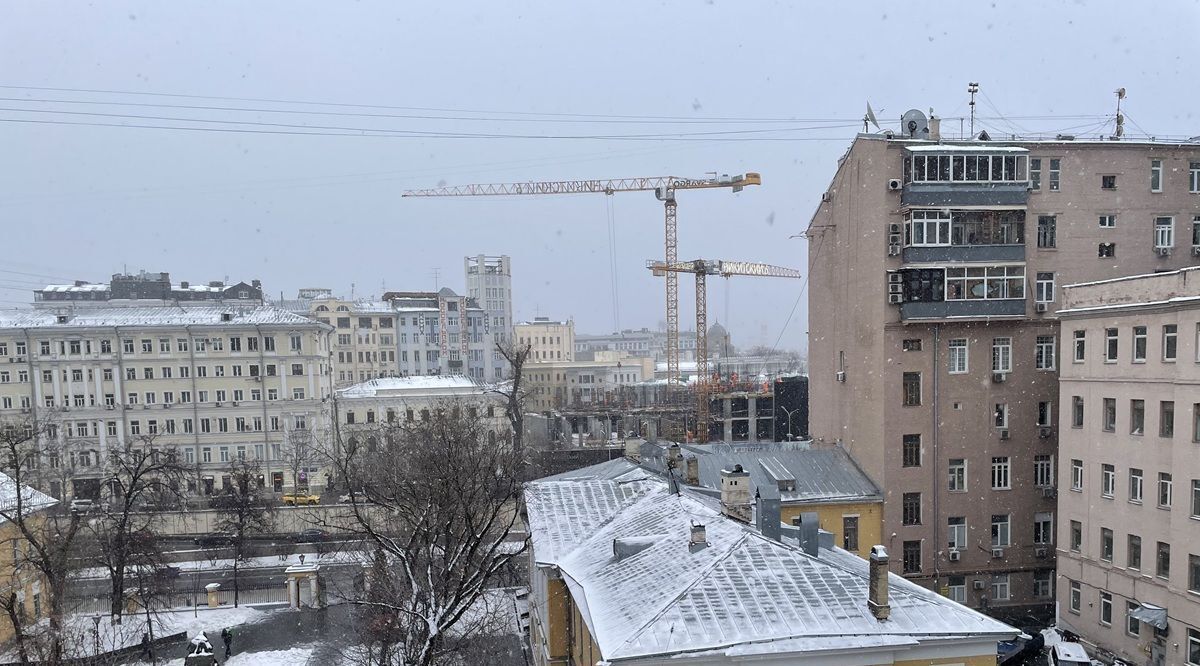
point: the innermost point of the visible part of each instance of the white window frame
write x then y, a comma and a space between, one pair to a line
933, 227
1137, 485
1001, 473
1140, 334
1001, 587
1077, 475
1079, 345
1108, 480
956, 535
1074, 596
1046, 352
1164, 234
1107, 221
1166, 490
951, 468
958, 357
1002, 531
1043, 470
1044, 288
1156, 175
1002, 354
1194, 177
1105, 607
1047, 518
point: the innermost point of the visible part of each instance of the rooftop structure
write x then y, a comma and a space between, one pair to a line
146, 287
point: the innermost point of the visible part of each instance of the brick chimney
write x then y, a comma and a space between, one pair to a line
877, 593
674, 457
692, 477
633, 449
735, 493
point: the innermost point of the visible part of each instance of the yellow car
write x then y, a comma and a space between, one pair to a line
302, 499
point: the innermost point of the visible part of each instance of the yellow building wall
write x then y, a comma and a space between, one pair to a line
27, 580
583, 648
557, 615
982, 660
870, 521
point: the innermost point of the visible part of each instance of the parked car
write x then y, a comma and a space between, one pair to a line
312, 535
214, 540
359, 497
300, 499
83, 505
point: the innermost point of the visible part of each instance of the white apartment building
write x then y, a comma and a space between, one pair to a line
399, 400
210, 382
549, 341
1128, 547
637, 342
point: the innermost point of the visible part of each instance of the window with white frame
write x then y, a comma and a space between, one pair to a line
1133, 626
956, 532
1001, 354
1043, 584
1108, 480
1111, 341
985, 283
1000, 415
1106, 608
1076, 475
1108, 221
1170, 342
927, 228
1196, 231
957, 358
1043, 470
1139, 344
1080, 345
1137, 485
1045, 413
1001, 477
1043, 528
956, 590
1001, 534
1045, 352
1156, 176
1164, 231
1001, 591
1044, 291
958, 475
1075, 596
1164, 490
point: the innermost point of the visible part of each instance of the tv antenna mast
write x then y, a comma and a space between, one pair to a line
972, 88
1120, 118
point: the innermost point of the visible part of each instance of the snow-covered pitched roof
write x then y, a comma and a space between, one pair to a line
31, 499
65, 288
740, 594
617, 469
158, 315
413, 385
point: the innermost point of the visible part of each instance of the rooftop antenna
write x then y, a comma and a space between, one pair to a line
869, 118
972, 88
1120, 118
436, 275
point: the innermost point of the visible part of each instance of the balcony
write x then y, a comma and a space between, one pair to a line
964, 253
965, 194
978, 308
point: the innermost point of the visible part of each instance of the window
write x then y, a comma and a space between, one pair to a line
1133, 626
1055, 173
1073, 603
297, 369
1044, 291
912, 557
982, 282
1195, 498
958, 475
1111, 340
1133, 552
1164, 490
1106, 544
1108, 182
1035, 173
956, 589
1108, 480
1044, 414
1162, 560
1156, 175
1108, 221
1076, 475
1106, 250
1045, 352
1043, 527
1000, 473
912, 389
1001, 354
912, 451
1001, 415
958, 356
956, 532
1193, 177
294, 341
1043, 584
911, 508
1170, 342
1000, 530
1137, 417
1047, 234
1193, 646
297, 394
1000, 588
1195, 231
1193, 573
1105, 608
1166, 418
850, 533
1076, 411
1136, 485
147, 346
1164, 231
1076, 535
927, 227
1139, 344
1043, 470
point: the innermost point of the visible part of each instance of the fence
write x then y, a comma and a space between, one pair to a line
275, 594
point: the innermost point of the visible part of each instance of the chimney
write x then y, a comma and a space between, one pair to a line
767, 516
808, 525
697, 539
183, 285
692, 477
674, 457
257, 284
735, 493
877, 593
633, 450
935, 128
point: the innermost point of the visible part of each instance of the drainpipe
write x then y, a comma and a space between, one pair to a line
262, 399
937, 400
195, 408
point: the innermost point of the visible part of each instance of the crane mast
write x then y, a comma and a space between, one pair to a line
664, 188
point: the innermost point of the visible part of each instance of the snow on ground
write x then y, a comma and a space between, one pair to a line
129, 632
226, 564
293, 657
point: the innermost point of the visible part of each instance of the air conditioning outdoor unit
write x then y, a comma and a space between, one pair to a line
997, 552
1044, 432
895, 299
234, 404
147, 406
1196, 250
1040, 307
216, 404
954, 555
826, 197
109, 407
999, 377
1004, 433
893, 250
894, 184
978, 584
894, 229
1040, 552
895, 278
1164, 251
1050, 492
841, 375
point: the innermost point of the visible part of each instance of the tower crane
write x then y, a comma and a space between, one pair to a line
702, 268
664, 188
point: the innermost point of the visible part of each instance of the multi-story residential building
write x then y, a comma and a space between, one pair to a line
549, 341
934, 346
489, 282
605, 381
642, 342
209, 382
400, 400
1129, 483
144, 287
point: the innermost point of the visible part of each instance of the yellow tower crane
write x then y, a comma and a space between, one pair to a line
664, 188
702, 268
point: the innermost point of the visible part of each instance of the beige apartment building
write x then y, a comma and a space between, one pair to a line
934, 343
549, 341
365, 410
211, 382
606, 380
1129, 500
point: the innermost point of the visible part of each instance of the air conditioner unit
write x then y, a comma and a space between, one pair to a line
1004, 433
147, 406
826, 197
841, 375
978, 584
110, 407
1164, 251
997, 552
895, 289
954, 555
166, 405
1050, 492
894, 184
216, 404
1040, 552
999, 377
234, 404
895, 278
1044, 432
893, 250
1196, 250
894, 229
1041, 307
895, 299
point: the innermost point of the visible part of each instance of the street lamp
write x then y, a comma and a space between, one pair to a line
789, 413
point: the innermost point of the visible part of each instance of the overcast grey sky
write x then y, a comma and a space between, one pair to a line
84, 201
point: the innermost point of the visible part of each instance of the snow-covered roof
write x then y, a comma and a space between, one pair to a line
741, 594
151, 316
75, 287
31, 499
413, 385
960, 148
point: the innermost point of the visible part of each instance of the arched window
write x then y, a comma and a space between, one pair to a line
322, 308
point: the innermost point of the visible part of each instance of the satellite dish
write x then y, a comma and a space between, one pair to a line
870, 117
914, 124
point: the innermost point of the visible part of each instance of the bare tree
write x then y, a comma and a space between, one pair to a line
514, 409
138, 477
52, 537
443, 503
243, 511
298, 453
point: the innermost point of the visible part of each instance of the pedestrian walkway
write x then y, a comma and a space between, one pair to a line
282, 630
